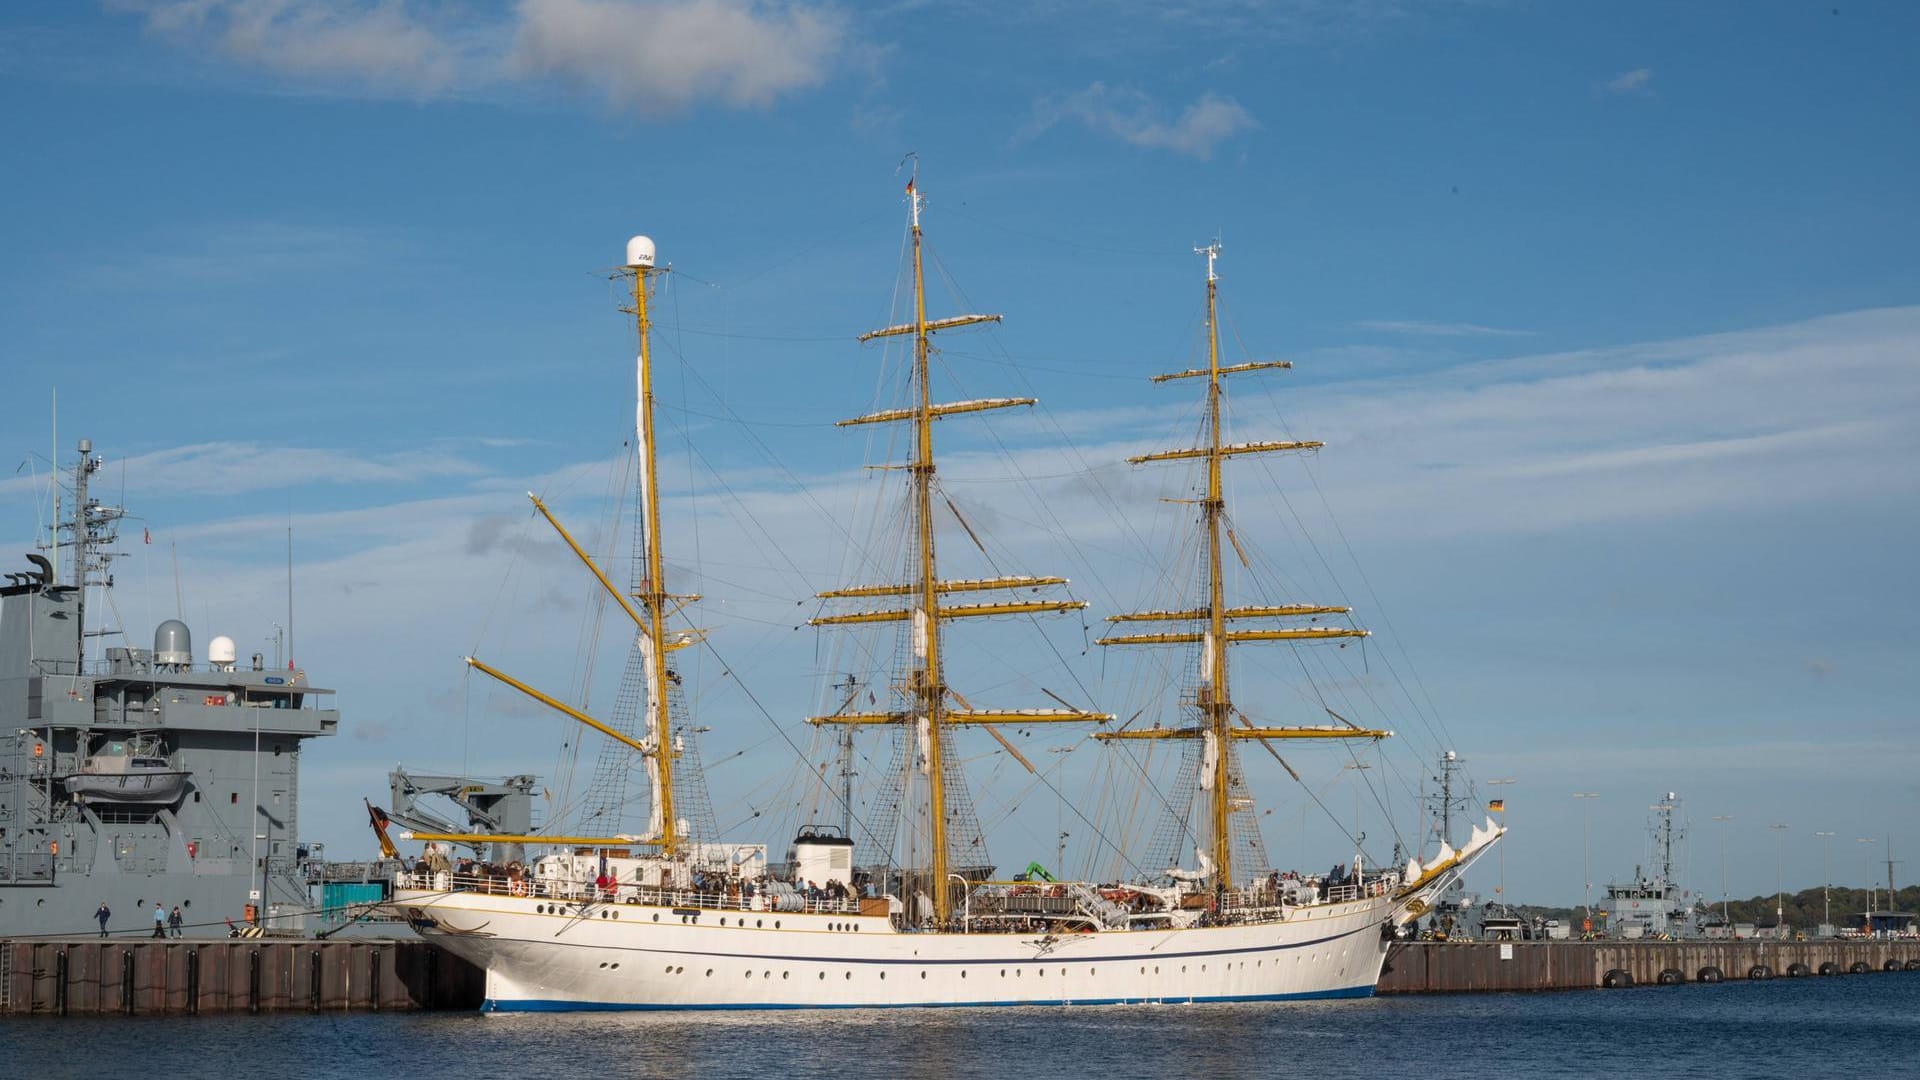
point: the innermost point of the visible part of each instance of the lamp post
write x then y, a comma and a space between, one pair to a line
1724, 917
1866, 921
1586, 845
1826, 881
1779, 892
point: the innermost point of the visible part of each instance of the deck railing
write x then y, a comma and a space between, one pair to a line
577, 891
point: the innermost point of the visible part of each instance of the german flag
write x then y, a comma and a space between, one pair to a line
379, 820
1497, 805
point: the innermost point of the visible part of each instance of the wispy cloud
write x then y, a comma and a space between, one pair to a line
660, 56
654, 57
238, 468
1133, 117
1435, 329
1638, 82
386, 45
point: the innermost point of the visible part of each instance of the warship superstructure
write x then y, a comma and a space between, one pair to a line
134, 777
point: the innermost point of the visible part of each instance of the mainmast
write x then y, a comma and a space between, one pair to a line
1213, 702
924, 689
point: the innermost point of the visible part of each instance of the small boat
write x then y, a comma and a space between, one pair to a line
129, 771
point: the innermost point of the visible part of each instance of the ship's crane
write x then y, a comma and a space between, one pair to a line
493, 807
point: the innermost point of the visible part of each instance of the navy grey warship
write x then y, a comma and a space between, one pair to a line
133, 777
1653, 904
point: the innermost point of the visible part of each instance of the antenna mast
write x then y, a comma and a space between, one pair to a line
640, 264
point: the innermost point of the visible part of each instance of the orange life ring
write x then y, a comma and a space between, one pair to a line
517, 886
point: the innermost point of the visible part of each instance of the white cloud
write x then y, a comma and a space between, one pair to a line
659, 57
1132, 117
1639, 81
1433, 329
652, 56
382, 43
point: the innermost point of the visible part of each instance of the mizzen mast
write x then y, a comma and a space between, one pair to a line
1214, 703
923, 688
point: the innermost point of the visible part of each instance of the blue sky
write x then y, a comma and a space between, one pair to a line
1608, 316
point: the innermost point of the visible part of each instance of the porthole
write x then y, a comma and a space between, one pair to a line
723, 920
883, 976
766, 974
823, 974
923, 974
603, 965
758, 923
669, 969
615, 965
1003, 973
963, 974
776, 924
784, 974
848, 975
656, 916
709, 973
749, 974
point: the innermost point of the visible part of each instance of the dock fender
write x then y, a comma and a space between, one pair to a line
1798, 971
1672, 977
1617, 979
1913, 965
1759, 971
1709, 974
1892, 965
1829, 968
1860, 967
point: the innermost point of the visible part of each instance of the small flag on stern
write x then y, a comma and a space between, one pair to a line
379, 820
1497, 805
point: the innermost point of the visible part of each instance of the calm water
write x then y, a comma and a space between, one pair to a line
1863, 1025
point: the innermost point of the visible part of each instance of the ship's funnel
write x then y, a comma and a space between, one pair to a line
173, 644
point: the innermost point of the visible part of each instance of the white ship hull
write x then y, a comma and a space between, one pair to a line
539, 955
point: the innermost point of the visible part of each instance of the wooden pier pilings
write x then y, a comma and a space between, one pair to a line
1457, 967
90, 976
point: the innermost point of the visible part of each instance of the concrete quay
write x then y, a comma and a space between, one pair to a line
92, 976
1469, 967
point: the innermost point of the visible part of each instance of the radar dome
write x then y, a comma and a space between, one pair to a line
640, 252
172, 643
220, 652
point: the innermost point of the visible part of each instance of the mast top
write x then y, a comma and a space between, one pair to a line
640, 253
1212, 252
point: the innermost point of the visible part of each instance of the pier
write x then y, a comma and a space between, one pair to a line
1466, 967
91, 976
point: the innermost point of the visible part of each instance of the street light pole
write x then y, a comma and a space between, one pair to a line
1724, 917
1826, 877
1586, 846
1779, 892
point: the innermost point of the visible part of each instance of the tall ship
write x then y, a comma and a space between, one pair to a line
660, 919
132, 777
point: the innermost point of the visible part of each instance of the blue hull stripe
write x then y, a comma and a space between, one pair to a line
542, 1005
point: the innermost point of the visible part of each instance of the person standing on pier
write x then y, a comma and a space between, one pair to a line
175, 920
159, 920
103, 913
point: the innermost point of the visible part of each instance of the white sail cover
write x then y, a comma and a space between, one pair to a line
656, 819
1209, 758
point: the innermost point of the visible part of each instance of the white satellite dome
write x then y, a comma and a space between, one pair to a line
640, 252
220, 652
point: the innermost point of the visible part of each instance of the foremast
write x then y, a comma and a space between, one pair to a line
657, 605
923, 688
1217, 713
